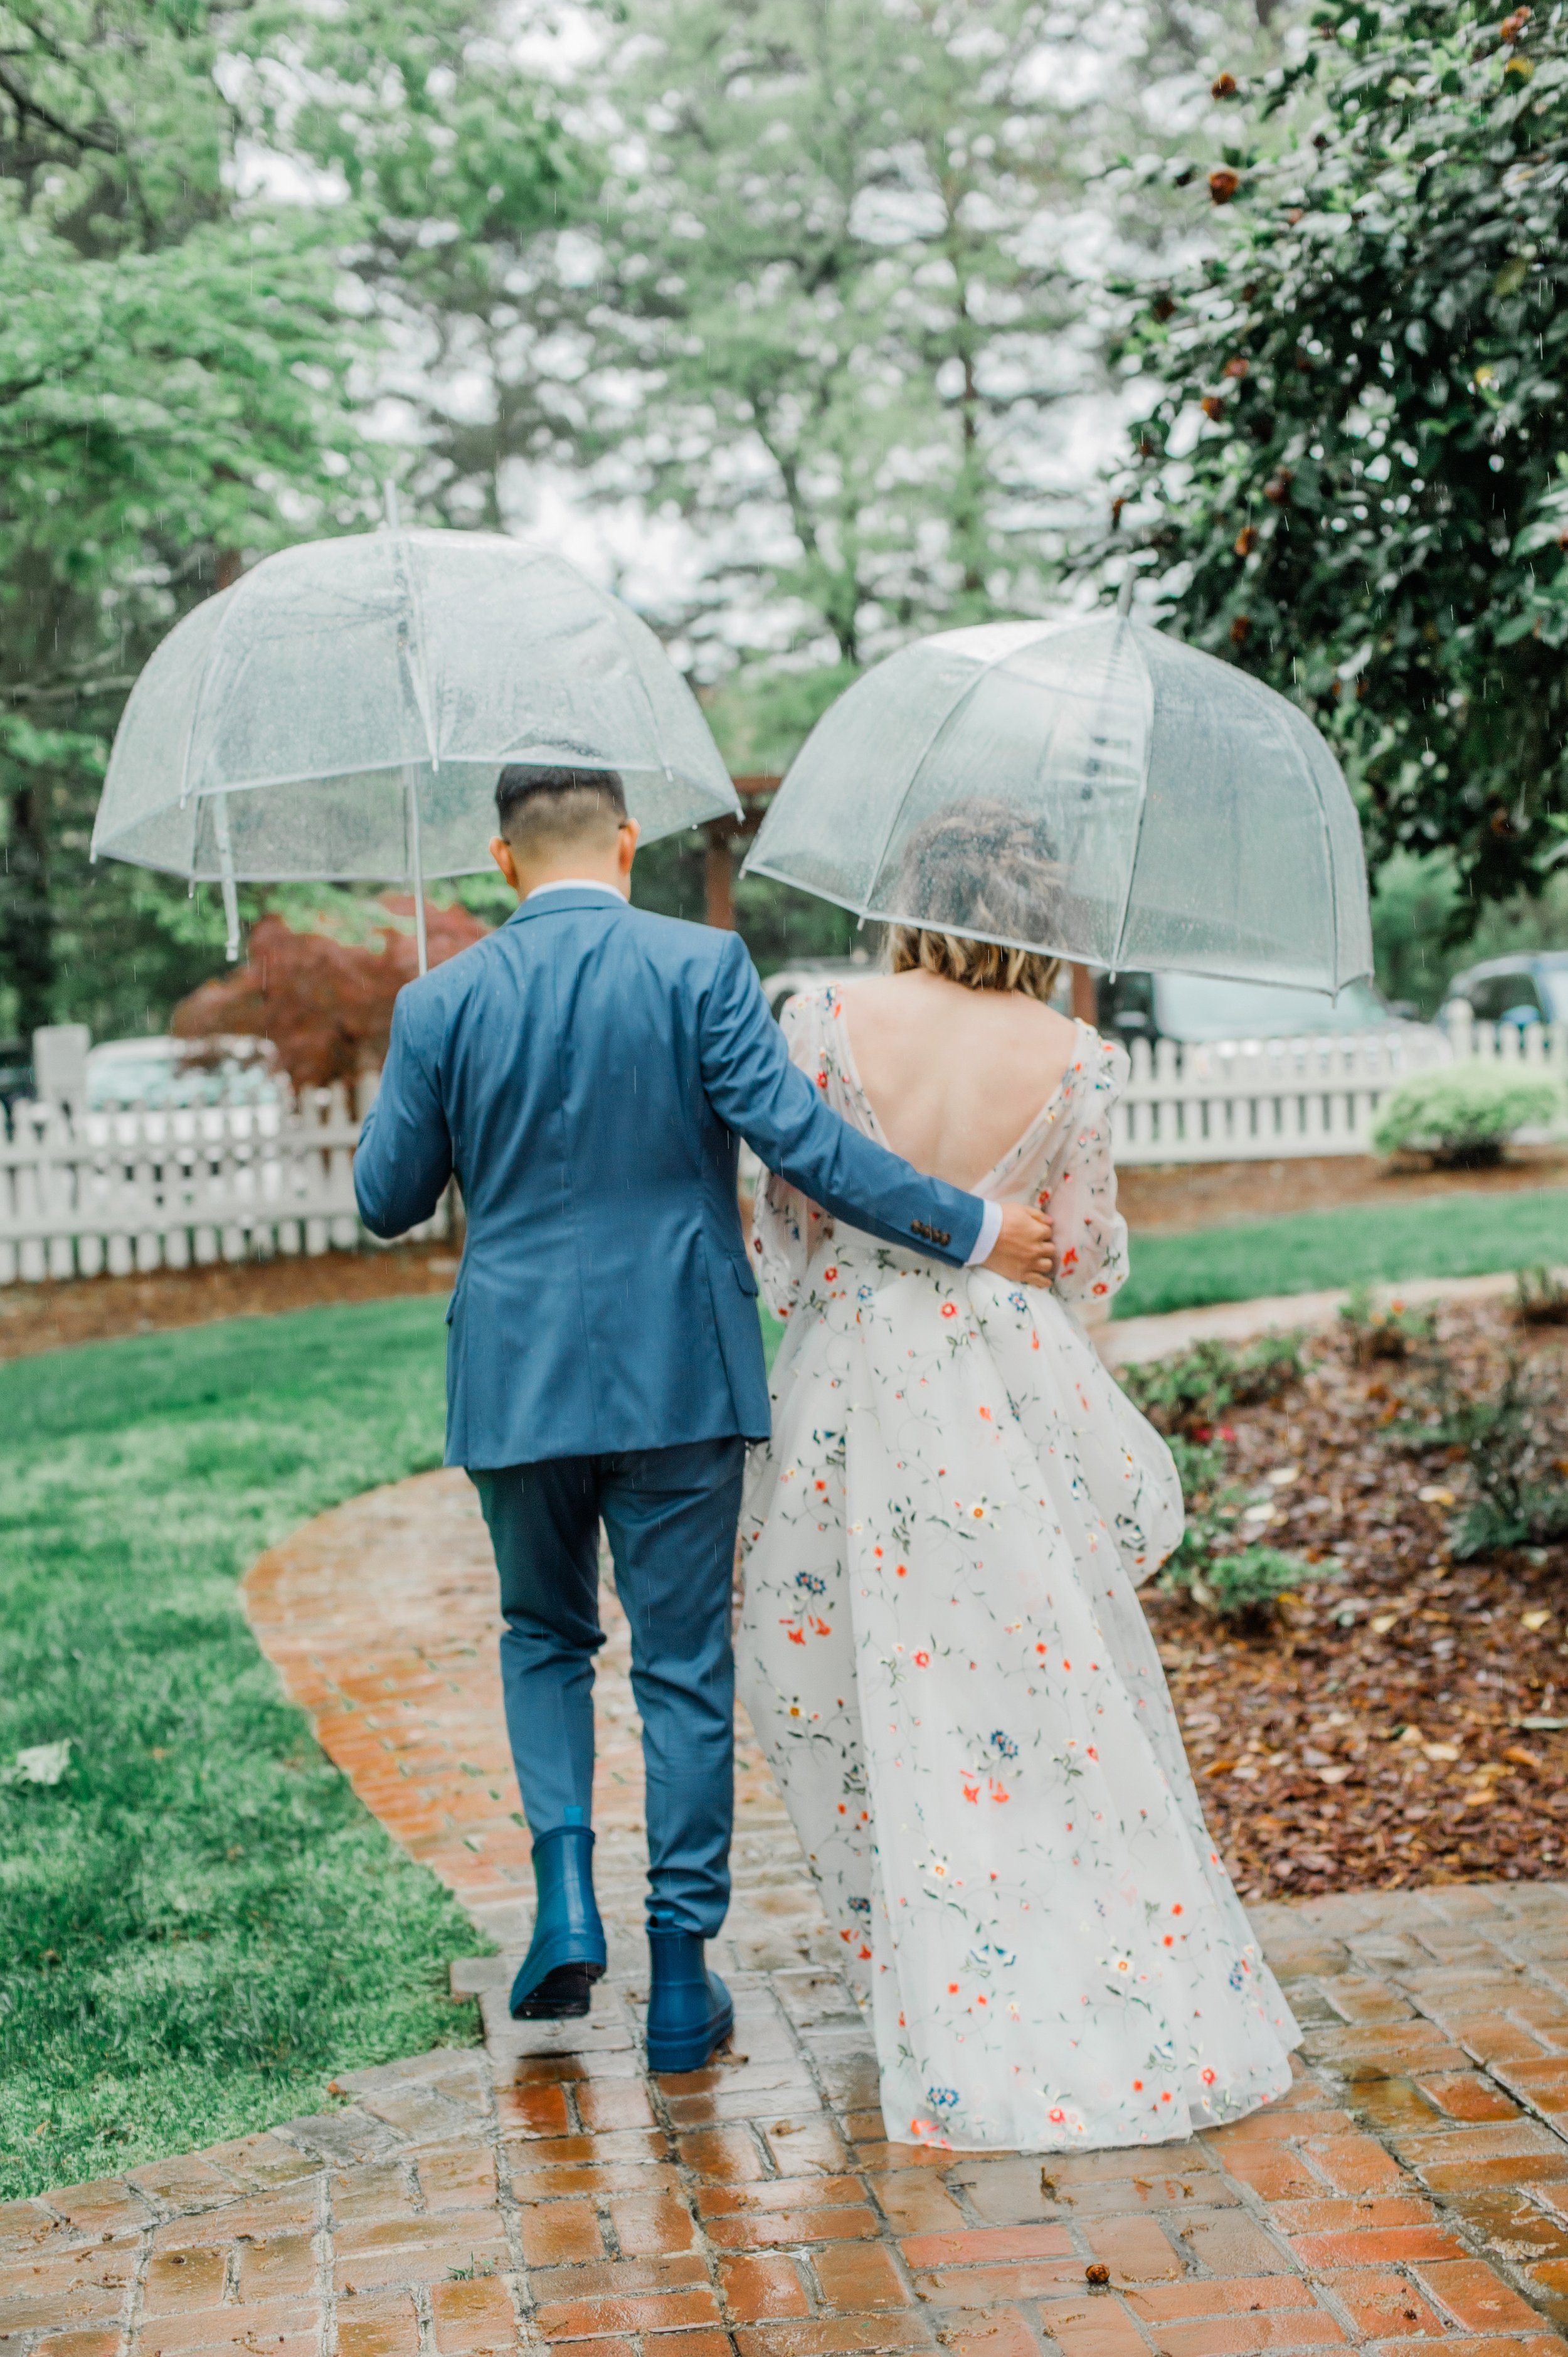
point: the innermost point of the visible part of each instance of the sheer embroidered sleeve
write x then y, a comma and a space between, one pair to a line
1090, 1234
786, 1225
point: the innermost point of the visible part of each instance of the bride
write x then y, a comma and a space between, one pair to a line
940, 1645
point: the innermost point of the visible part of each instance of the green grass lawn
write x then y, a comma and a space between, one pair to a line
200, 1924
1462, 1234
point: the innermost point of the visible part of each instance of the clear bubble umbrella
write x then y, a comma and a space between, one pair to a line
1088, 788
343, 710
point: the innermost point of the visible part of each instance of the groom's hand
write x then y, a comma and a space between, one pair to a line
1025, 1253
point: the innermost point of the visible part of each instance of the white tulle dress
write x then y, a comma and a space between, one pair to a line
942, 1652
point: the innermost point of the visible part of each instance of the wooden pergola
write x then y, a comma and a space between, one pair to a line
756, 789
724, 835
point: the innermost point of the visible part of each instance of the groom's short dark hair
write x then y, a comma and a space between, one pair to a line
537, 802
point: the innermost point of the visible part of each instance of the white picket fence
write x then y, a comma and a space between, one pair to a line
117, 1191
1266, 1100
81, 1194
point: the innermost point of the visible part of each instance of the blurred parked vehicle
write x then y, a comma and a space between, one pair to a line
1523, 990
166, 1075
15, 1072
1208, 1017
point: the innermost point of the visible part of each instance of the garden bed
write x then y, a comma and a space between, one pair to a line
1385, 1728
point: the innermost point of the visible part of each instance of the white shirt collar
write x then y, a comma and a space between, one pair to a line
573, 884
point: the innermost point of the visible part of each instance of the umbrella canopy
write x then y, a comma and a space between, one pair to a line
343, 710
1090, 788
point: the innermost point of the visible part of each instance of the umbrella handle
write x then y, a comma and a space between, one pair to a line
417, 866
226, 875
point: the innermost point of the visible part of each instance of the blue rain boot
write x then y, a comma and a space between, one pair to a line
688, 2009
566, 1954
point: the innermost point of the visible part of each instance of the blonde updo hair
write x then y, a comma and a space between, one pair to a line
987, 866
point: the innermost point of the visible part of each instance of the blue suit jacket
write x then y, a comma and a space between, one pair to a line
585, 1072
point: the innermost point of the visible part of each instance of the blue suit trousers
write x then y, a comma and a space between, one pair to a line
670, 1516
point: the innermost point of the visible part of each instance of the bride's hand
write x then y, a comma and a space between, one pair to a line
1024, 1254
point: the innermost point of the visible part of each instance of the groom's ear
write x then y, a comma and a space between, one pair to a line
505, 858
630, 834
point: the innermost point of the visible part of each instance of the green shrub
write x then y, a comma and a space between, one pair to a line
1465, 1115
1389, 1334
1245, 1585
1242, 1584
1185, 1396
1541, 1297
1512, 1447
1189, 1391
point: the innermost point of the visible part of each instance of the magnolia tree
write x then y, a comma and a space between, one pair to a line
1352, 472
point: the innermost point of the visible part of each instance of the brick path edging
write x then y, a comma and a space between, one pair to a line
1126, 1341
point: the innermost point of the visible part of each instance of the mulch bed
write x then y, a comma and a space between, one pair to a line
1373, 1737
51, 1317
1151, 1198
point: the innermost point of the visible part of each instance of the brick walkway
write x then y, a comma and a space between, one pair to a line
1411, 2194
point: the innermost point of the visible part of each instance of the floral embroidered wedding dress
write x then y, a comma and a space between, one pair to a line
942, 1652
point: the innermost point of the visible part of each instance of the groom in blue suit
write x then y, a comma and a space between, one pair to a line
586, 1072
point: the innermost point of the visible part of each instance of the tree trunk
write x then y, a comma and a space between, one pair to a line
27, 922
719, 876
1085, 994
